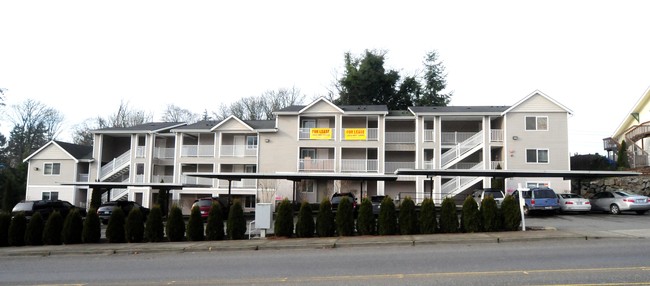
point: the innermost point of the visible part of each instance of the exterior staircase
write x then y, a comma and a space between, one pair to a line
114, 169
462, 150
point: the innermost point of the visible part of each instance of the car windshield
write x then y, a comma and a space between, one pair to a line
570, 196
26, 206
525, 194
494, 194
204, 203
544, 194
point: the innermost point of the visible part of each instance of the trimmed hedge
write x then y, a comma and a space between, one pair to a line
345, 218
115, 232
34, 231
134, 228
236, 225
5, 222
214, 227
53, 229
387, 223
428, 220
510, 213
283, 225
17, 230
73, 228
448, 216
470, 216
195, 231
490, 214
92, 232
305, 225
325, 226
408, 218
175, 227
366, 219
154, 229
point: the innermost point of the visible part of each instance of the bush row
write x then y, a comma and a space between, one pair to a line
131, 227
390, 221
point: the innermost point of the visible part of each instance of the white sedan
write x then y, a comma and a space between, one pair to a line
573, 203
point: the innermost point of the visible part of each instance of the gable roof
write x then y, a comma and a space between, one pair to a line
232, 117
627, 122
75, 151
151, 127
534, 93
458, 109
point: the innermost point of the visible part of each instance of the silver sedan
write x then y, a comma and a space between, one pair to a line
573, 203
616, 202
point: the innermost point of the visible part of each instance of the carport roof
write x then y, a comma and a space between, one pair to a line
566, 174
296, 176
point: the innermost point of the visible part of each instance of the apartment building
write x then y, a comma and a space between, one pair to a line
323, 138
634, 129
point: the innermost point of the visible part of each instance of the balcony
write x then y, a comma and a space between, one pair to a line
163, 153
238, 151
197, 151
350, 165
243, 184
162, 179
316, 133
190, 180
82, 177
139, 152
359, 134
315, 165
391, 167
496, 135
455, 137
428, 165
400, 137
429, 135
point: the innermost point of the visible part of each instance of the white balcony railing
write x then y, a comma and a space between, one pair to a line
243, 184
162, 178
163, 153
390, 167
400, 137
306, 134
82, 177
496, 135
316, 165
197, 151
372, 134
139, 178
139, 151
494, 165
428, 165
455, 137
429, 135
238, 150
190, 180
359, 165
116, 163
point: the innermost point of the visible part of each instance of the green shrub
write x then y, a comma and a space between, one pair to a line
73, 228
115, 230
408, 218
305, 224
175, 227
325, 226
387, 224
283, 225
134, 228
345, 218
5, 222
195, 231
17, 230
214, 227
236, 225
428, 220
470, 216
366, 219
53, 229
92, 229
489, 214
34, 231
154, 229
510, 213
448, 216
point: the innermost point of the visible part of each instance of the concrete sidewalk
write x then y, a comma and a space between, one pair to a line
272, 243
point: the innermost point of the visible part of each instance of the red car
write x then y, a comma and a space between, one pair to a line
205, 204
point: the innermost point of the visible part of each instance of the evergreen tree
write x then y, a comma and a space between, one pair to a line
214, 228
428, 220
366, 220
325, 226
489, 214
448, 216
5, 222
154, 230
471, 216
115, 232
53, 229
283, 225
195, 231
305, 224
17, 230
134, 228
408, 219
345, 217
621, 159
73, 228
236, 225
387, 223
92, 229
175, 227
34, 232
510, 213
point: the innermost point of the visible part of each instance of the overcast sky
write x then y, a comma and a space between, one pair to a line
84, 57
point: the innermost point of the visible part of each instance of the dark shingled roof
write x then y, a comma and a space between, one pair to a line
261, 124
458, 109
204, 124
382, 108
77, 151
146, 127
291, 108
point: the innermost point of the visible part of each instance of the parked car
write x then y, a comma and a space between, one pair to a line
45, 208
616, 202
538, 199
205, 204
479, 195
336, 199
573, 203
376, 203
106, 209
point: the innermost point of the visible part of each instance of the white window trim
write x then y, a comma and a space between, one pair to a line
548, 155
538, 183
52, 172
536, 123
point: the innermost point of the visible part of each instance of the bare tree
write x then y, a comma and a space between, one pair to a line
123, 117
174, 113
260, 107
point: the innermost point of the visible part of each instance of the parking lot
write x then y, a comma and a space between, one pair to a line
590, 221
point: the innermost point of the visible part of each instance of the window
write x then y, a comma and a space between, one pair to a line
251, 142
531, 185
249, 201
52, 168
308, 154
539, 123
307, 186
250, 169
537, 156
308, 123
47, 196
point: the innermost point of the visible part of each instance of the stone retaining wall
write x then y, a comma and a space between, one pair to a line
639, 185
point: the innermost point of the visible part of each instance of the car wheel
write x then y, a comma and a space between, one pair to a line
526, 211
640, 212
614, 209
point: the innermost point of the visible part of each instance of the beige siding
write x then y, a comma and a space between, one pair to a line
554, 139
51, 154
321, 107
280, 154
538, 103
232, 125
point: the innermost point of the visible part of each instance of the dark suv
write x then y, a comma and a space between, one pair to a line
106, 209
45, 208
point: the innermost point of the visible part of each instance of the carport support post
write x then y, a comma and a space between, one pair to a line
229, 191
361, 191
431, 187
294, 192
